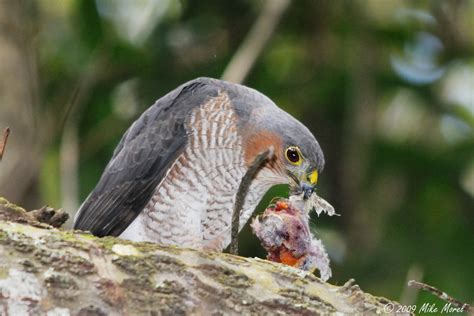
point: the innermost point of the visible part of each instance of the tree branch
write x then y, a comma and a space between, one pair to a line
253, 45
440, 294
244, 186
44, 270
3, 143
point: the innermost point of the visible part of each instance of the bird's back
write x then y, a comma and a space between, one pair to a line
174, 175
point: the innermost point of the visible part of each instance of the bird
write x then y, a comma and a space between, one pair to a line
174, 175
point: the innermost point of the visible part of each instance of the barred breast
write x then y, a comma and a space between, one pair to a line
192, 206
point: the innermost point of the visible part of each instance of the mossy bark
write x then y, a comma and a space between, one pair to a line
44, 270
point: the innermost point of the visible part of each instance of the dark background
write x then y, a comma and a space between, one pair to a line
385, 86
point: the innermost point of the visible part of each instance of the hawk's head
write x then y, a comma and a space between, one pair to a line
300, 155
298, 158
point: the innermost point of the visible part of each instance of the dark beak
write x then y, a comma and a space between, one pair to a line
307, 190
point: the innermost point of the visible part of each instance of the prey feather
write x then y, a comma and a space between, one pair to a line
314, 202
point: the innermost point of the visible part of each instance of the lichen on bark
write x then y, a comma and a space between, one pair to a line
46, 270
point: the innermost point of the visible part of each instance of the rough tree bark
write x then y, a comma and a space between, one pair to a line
47, 271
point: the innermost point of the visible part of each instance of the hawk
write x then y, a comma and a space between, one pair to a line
174, 176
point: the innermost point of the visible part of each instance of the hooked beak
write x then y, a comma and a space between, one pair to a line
305, 185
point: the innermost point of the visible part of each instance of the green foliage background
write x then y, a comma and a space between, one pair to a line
374, 80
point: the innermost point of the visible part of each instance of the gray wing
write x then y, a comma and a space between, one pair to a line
141, 160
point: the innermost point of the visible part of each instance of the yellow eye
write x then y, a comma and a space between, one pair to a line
293, 155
